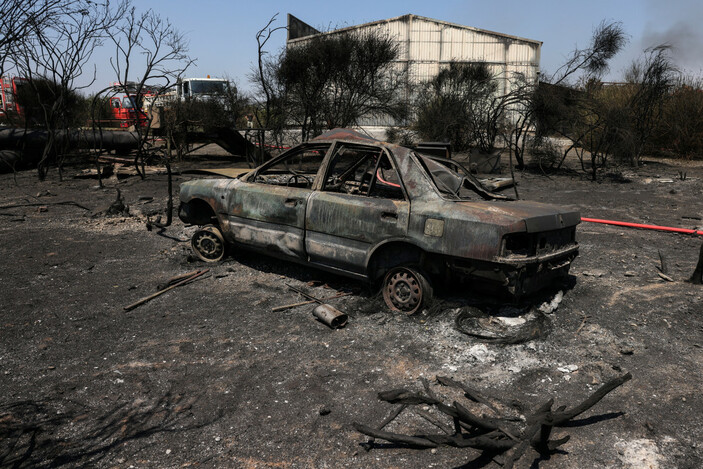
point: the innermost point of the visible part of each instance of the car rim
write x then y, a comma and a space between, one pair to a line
208, 245
403, 291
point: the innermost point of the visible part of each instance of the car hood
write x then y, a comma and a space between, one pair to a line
536, 216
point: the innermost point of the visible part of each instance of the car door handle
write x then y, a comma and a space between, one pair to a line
291, 202
389, 216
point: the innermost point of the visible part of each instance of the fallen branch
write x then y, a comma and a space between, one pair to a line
663, 264
583, 323
393, 415
434, 421
66, 202
561, 418
306, 295
394, 437
468, 392
176, 279
161, 292
495, 434
665, 277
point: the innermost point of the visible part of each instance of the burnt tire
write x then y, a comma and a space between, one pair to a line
208, 244
406, 289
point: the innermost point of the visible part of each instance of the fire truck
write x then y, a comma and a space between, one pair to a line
126, 108
9, 107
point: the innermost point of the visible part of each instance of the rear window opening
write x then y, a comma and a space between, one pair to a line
454, 181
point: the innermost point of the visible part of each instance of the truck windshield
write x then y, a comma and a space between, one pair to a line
207, 87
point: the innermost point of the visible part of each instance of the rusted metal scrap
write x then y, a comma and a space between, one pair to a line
499, 434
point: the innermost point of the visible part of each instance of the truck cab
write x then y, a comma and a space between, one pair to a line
201, 88
124, 111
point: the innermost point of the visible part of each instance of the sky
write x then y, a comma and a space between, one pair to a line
221, 34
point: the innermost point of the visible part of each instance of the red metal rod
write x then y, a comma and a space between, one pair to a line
378, 175
646, 227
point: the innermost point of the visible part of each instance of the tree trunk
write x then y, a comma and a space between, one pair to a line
697, 277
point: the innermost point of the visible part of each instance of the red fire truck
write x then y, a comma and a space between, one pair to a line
126, 108
9, 107
124, 111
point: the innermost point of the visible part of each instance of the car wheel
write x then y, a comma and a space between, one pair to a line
406, 289
208, 244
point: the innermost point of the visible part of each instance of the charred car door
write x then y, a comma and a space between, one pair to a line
267, 208
361, 202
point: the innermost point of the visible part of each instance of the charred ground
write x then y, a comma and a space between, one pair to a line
207, 375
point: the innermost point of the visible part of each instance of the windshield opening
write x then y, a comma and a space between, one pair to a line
207, 87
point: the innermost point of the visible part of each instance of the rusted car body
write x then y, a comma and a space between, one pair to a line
350, 204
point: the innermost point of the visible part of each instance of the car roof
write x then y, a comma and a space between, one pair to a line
345, 134
354, 136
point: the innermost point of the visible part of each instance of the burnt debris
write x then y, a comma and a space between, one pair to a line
500, 433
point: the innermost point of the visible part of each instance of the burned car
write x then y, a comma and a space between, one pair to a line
355, 206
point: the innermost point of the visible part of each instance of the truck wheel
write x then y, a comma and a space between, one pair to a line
208, 244
406, 289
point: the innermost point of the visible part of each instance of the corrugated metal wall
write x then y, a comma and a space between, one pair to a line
428, 45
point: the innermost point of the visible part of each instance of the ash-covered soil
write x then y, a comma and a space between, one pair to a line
207, 375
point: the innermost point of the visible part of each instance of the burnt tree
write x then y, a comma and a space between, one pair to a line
697, 277
58, 52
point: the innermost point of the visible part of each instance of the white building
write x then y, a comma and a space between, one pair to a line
428, 45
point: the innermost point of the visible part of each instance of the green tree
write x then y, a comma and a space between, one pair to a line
335, 80
459, 106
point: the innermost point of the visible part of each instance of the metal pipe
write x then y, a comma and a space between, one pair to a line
35, 139
330, 316
646, 227
24, 147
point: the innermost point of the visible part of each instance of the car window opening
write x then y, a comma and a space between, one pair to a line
295, 169
363, 171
